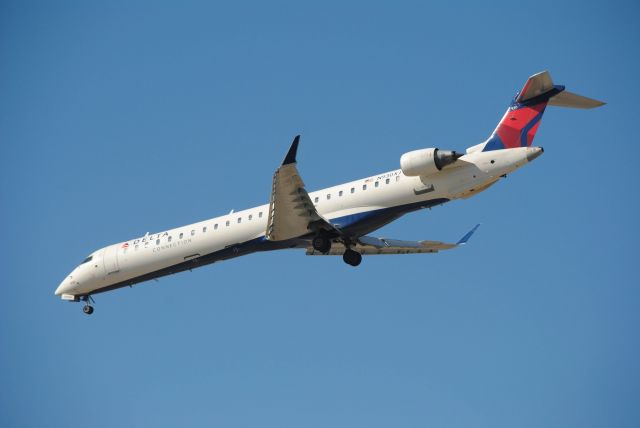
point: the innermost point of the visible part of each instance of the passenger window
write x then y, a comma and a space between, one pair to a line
215, 226
340, 193
193, 232
250, 217
364, 187
181, 235
239, 220
157, 242
377, 183
227, 223
260, 214
136, 247
204, 229
387, 181
353, 190
328, 196
316, 200
169, 239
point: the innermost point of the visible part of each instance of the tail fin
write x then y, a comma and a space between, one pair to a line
520, 123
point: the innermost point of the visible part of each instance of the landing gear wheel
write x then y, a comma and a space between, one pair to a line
321, 243
87, 309
352, 258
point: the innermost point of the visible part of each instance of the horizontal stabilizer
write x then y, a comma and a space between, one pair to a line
540, 86
569, 99
536, 85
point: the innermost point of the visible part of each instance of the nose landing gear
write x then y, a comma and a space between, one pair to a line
87, 308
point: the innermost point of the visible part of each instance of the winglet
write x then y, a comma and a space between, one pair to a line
291, 154
466, 237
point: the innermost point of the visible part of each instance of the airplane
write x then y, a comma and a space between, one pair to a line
336, 220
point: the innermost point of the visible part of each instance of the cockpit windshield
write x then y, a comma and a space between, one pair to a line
88, 259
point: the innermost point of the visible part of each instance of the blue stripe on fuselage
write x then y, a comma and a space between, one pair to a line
359, 224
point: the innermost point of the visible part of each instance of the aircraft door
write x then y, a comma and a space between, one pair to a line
111, 260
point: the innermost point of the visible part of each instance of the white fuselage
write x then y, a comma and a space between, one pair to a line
143, 258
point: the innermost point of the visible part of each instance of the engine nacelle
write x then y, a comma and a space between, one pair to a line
426, 161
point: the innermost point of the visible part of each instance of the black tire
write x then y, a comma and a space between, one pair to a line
321, 243
87, 309
352, 258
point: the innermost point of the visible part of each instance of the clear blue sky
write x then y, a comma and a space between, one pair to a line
127, 117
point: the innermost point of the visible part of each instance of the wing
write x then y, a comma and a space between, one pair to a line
368, 245
291, 212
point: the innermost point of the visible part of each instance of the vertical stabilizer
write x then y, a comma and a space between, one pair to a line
520, 123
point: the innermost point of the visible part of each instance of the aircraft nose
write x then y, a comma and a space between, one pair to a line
60, 289
63, 288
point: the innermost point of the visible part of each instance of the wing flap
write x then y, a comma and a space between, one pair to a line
338, 249
369, 245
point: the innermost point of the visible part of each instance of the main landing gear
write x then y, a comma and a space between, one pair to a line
352, 258
321, 243
87, 308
